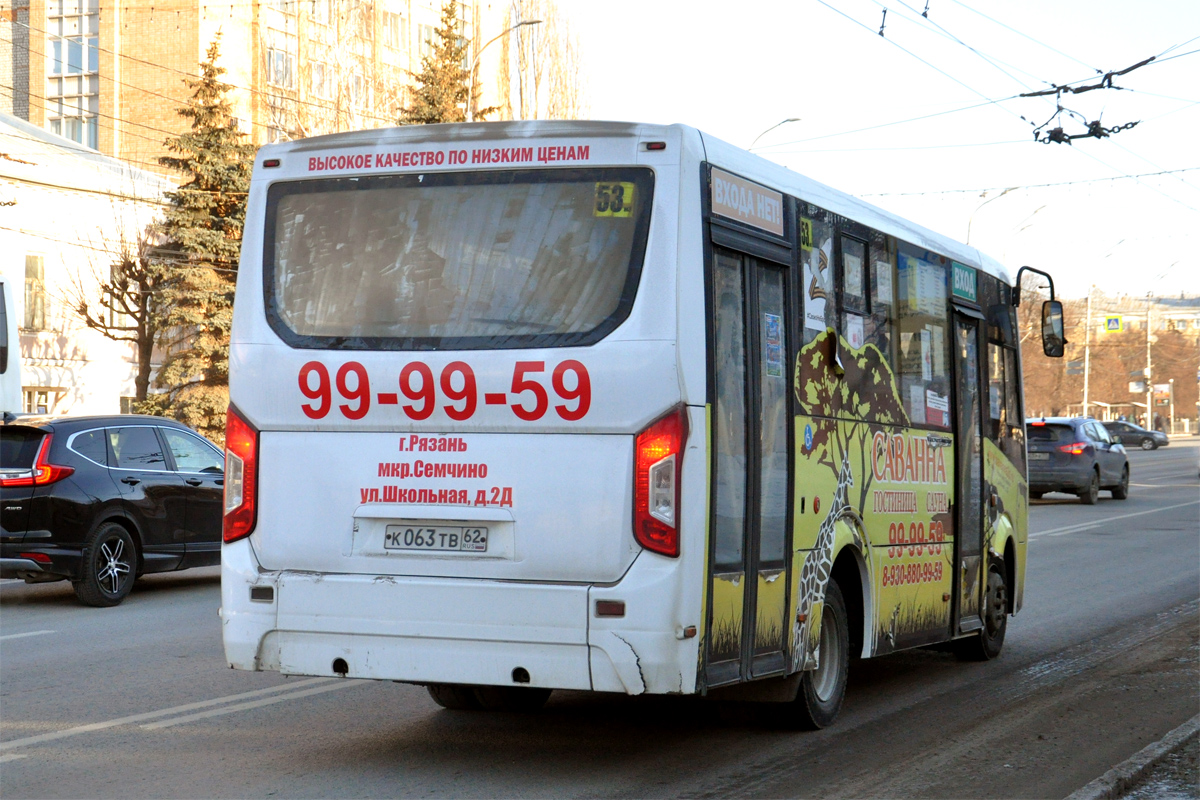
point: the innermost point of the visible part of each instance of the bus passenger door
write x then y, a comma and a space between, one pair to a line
748, 586
968, 489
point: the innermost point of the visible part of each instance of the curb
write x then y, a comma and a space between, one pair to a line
1125, 776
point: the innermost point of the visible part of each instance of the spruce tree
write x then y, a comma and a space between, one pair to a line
203, 226
443, 86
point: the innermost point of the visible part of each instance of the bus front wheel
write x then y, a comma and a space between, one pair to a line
987, 643
821, 690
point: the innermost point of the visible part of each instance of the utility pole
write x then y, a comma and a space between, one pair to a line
1087, 346
1171, 383
1149, 377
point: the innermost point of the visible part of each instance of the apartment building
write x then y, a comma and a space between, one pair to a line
110, 75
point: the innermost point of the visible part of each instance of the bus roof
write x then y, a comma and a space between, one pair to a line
718, 152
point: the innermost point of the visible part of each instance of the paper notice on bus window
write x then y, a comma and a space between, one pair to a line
883, 282
773, 344
926, 355
854, 331
916, 404
938, 408
994, 401
939, 350
852, 277
931, 289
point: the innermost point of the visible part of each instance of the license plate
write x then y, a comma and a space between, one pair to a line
439, 538
1039, 456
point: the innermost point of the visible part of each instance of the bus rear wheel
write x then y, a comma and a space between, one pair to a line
822, 690
453, 696
511, 698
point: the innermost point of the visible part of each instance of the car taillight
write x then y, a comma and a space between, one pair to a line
658, 458
43, 472
1076, 449
241, 477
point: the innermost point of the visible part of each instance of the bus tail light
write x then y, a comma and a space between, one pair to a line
1076, 449
241, 477
43, 473
658, 458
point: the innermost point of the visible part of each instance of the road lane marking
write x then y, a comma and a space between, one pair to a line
112, 723
21, 635
1084, 525
245, 706
12, 757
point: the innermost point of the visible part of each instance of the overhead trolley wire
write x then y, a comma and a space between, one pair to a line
1029, 186
1027, 36
923, 61
993, 62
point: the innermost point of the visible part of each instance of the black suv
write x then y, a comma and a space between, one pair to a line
101, 500
1128, 433
1075, 455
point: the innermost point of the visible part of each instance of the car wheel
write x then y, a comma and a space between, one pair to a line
110, 561
511, 698
1121, 490
1091, 494
453, 696
822, 690
987, 643
1148, 444
1035, 495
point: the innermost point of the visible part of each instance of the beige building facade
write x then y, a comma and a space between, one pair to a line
110, 75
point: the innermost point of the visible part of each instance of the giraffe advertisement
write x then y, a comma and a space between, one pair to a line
867, 479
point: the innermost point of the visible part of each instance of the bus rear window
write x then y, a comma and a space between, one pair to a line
455, 261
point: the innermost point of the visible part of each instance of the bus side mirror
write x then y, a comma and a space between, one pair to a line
1053, 338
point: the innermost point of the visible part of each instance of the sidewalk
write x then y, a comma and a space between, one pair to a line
1169, 769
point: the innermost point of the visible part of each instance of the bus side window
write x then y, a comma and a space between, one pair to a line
923, 361
818, 355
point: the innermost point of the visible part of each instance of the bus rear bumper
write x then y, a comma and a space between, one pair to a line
445, 630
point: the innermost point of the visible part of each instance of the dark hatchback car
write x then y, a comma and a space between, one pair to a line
1075, 455
99, 501
1134, 435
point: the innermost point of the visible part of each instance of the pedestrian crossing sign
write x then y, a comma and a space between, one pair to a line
1114, 323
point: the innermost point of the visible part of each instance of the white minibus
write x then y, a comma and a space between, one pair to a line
528, 406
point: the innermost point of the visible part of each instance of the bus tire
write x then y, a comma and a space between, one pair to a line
511, 698
989, 640
822, 690
453, 696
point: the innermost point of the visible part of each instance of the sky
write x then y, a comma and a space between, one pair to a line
971, 166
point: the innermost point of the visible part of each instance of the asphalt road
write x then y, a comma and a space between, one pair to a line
135, 701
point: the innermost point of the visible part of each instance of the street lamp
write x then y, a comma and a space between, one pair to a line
475, 63
773, 127
981, 205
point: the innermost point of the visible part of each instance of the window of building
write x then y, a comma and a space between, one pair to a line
393, 30
357, 90
37, 401
35, 293
72, 79
320, 11
317, 76
127, 404
426, 37
281, 68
